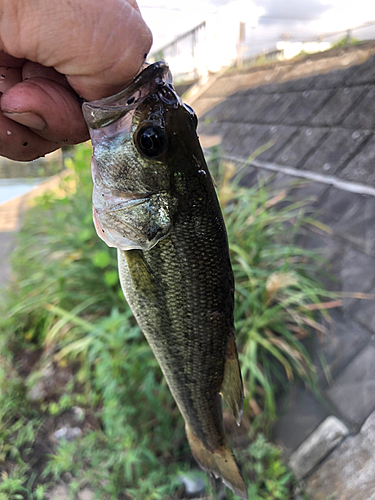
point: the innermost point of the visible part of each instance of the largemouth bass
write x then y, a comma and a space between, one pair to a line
154, 201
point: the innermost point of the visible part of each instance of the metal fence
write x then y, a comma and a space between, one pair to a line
185, 54
267, 51
189, 54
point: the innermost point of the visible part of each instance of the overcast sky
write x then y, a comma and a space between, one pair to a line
301, 19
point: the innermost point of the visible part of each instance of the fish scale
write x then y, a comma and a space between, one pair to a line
155, 201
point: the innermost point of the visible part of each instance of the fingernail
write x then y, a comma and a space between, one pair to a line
29, 119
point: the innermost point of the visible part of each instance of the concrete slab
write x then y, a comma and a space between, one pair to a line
250, 176
209, 127
361, 167
309, 191
361, 234
243, 139
345, 340
313, 65
306, 104
363, 116
336, 108
329, 254
223, 110
337, 139
317, 446
299, 417
365, 73
275, 87
363, 311
253, 108
357, 274
262, 77
339, 208
278, 135
296, 151
336, 78
349, 472
299, 188
334, 152
238, 109
302, 84
353, 390
278, 107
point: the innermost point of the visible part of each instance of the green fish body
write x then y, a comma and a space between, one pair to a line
154, 201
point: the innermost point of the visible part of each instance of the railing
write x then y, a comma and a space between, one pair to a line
190, 56
344, 38
185, 54
349, 36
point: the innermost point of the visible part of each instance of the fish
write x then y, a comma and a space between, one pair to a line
155, 201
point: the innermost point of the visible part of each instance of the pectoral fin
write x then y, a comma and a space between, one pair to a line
142, 277
232, 388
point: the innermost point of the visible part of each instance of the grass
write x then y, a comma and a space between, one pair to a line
64, 319
278, 303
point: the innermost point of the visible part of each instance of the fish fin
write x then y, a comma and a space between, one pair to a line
214, 181
142, 277
232, 388
221, 463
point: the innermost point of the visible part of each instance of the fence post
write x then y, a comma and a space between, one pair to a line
348, 38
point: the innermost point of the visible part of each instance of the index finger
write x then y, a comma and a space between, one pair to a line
13, 62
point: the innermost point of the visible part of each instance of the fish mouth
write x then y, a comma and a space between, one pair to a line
155, 77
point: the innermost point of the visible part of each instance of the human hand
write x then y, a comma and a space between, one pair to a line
52, 52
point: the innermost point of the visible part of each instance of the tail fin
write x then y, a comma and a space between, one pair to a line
220, 463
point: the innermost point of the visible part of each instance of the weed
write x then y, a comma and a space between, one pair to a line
274, 288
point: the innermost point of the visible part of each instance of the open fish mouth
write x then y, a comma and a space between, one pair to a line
110, 110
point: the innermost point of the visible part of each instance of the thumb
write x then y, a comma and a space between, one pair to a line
98, 45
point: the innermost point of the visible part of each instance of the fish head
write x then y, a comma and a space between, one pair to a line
142, 139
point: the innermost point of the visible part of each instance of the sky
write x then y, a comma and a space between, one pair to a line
266, 20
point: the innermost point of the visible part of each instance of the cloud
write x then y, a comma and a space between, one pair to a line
293, 10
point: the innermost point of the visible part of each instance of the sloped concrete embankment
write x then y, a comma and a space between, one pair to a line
314, 119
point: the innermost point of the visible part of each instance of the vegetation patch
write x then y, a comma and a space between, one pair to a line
82, 398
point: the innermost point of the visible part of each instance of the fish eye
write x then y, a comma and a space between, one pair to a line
151, 140
192, 114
